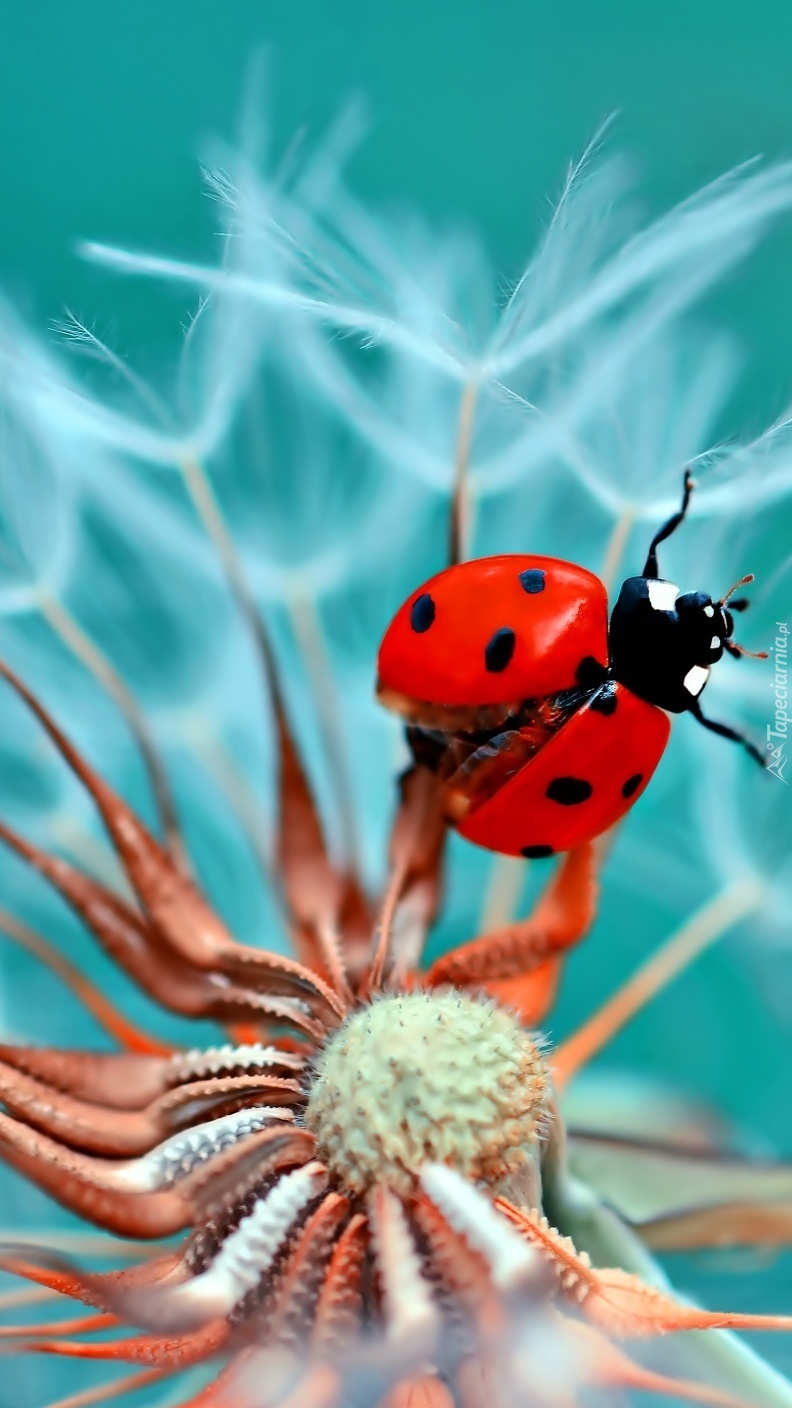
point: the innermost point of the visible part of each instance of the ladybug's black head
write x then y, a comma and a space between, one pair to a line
664, 644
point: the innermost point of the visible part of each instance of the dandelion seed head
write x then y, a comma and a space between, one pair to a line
428, 1077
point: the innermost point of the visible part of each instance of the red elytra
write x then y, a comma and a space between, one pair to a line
555, 628
540, 810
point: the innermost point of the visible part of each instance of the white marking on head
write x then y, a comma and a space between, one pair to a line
695, 679
662, 595
715, 643
709, 610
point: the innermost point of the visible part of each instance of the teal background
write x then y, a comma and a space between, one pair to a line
476, 109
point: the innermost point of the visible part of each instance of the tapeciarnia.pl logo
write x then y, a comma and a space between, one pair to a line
778, 730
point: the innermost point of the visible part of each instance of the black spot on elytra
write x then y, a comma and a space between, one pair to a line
632, 784
590, 673
605, 701
499, 650
569, 791
532, 580
536, 852
422, 613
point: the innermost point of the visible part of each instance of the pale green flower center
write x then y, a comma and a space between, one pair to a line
427, 1077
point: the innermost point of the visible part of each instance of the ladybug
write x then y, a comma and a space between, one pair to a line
542, 723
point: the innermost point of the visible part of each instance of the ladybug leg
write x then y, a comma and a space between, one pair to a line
726, 731
485, 770
651, 568
520, 963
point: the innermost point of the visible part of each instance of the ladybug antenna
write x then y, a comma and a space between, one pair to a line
735, 649
741, 604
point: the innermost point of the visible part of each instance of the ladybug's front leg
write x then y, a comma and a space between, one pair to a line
520, 964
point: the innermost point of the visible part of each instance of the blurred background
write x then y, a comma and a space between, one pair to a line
474, 113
